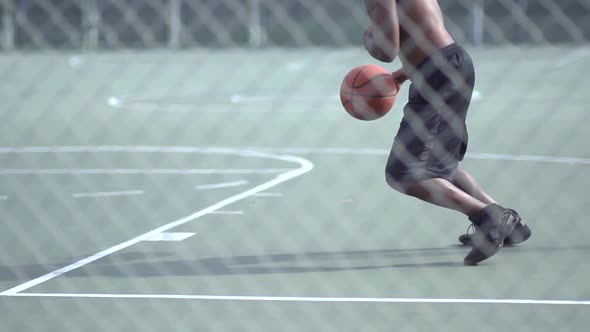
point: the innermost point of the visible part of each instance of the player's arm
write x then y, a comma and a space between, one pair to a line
382, 36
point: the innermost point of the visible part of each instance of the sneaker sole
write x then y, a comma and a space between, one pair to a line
476, 255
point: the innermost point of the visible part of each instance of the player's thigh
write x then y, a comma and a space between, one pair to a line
413, 142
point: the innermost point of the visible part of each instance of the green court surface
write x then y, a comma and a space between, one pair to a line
281, 195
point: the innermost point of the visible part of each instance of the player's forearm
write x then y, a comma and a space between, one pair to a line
385, 26
374, 50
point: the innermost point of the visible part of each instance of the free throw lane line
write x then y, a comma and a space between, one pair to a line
305, 166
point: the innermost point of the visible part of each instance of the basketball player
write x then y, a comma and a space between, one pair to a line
432, 137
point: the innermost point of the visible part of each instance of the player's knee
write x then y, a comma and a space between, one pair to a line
392, 178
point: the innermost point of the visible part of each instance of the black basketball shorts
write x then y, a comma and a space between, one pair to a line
432, 137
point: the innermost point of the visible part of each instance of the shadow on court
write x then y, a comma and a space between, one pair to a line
152, 265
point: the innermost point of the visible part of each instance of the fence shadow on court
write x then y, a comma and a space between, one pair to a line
155, 264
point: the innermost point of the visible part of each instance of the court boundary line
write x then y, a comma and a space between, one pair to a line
305, 166
306, 299
384, 152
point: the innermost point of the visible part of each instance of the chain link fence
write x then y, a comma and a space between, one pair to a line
108, 24
124, 117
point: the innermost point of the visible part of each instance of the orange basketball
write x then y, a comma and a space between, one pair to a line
368, 92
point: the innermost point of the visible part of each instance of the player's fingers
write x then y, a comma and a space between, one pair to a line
399, 77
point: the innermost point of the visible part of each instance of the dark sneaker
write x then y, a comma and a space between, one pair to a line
521, 233
492, 226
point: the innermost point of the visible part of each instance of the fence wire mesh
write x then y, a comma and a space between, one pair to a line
188, 165
41, 24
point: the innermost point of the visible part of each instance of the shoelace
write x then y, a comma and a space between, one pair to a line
470, 228
518, 218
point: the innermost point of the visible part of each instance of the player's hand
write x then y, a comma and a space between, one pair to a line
373, 48
400, 76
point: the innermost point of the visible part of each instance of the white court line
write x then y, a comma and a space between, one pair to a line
135, 171
170, 237
383, 152
135, 103
221, 185
296, 65
75, 61
3, 198
268, 195
476, 96
572, 57
305, 166
240, 99
139, 103
306, 299
108, 193
227, 212
561, 160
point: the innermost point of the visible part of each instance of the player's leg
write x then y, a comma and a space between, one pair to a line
492, 222
440, 192
431, 141
424, 158
466, 182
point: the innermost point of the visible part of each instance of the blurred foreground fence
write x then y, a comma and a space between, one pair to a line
108, 24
